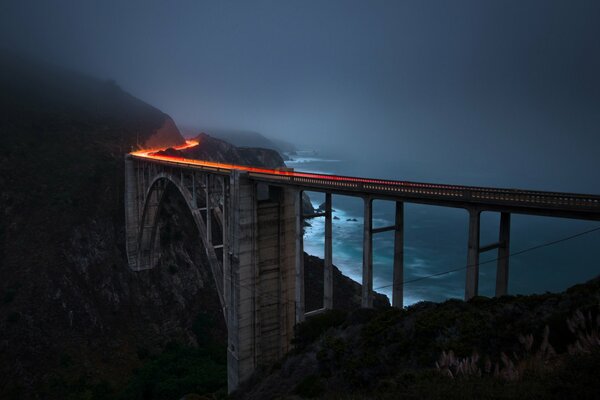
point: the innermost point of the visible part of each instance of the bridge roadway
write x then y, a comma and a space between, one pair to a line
552, 204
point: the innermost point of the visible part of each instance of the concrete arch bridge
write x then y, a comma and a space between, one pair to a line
250, 223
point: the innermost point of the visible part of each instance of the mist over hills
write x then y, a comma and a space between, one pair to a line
243, 138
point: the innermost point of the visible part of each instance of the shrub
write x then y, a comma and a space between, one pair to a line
311, 329
310, 387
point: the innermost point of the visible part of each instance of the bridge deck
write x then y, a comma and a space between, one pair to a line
554, 204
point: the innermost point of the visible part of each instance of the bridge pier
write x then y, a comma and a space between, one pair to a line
299, 259
209, 209
503, 246
328, 271
503, 255
398, 278
367, 272
262, 241
472, 280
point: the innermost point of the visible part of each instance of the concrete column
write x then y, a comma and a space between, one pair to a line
328, 271
241, 359
472, 281
231, 294
367, 273
195, 203
208, 210
226, 250
503, 255
299, 258
398, 288
144, 183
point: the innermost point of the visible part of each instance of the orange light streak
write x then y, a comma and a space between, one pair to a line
151, 154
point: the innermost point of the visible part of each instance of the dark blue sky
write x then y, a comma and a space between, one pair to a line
496, 92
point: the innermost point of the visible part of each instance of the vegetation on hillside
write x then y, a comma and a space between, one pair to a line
539, 346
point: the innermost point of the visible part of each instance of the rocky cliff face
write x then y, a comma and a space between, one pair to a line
218, 150
346, 292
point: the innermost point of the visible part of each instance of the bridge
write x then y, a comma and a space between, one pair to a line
250, 222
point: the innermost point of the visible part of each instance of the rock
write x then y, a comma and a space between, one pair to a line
346, 292
307, 207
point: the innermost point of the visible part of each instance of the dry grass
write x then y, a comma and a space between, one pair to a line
533, 360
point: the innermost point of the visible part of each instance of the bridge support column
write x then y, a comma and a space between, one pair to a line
367, 273
328, 271
503, 255
240, 324
260, 299
194, 201
209, 209
398, 279
299, 261
472, 281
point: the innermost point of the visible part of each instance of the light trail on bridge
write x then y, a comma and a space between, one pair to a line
533, 202
153, 154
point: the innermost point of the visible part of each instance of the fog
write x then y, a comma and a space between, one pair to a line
489, 93
503, 93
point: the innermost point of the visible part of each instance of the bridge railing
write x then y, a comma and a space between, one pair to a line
410, 190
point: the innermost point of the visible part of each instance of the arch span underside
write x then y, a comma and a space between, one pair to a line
147, 250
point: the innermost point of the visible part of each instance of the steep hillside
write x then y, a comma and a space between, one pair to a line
72, 316
530, 347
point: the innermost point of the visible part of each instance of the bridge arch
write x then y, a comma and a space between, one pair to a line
148, 245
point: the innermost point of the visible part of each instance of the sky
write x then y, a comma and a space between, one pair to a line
495, 93
472, 92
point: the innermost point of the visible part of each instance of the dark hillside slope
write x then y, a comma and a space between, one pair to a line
70, 310
513, 347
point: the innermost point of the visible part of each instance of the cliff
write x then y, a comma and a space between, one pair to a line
214, 149
346, 292
242, 138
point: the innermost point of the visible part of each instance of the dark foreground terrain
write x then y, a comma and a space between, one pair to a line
514, 347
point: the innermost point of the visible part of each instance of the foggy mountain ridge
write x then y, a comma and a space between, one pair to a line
214, 149
242, 138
